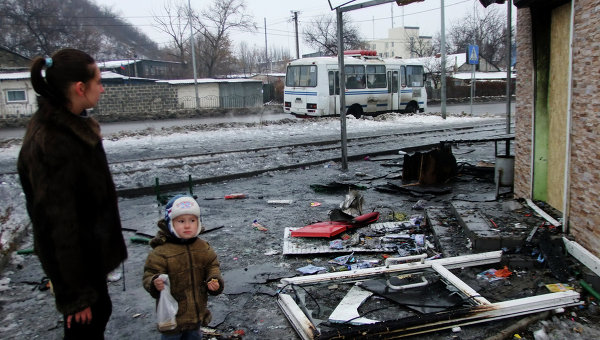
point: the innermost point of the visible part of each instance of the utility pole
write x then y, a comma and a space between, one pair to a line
297, 42
344, 139
266, 48
508, 65
443, 90
193, 46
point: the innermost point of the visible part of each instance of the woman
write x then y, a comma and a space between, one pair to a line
69, 191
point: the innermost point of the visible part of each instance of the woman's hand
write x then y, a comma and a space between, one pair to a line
84, 316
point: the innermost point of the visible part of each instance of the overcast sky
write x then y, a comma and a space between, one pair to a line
374, 22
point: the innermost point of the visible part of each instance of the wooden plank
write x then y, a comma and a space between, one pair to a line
294, 314
542, 213
583, 255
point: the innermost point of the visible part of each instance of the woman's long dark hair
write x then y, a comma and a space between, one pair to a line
66, 67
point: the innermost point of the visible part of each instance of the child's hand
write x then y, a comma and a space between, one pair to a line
213, 285
159, 284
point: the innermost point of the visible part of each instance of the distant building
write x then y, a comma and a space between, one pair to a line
402, 42
11, 61
217, 93
143, 68
17, 95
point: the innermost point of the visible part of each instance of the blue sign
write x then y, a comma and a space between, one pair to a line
473, 54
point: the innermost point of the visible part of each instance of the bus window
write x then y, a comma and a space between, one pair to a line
301, 76
376, 76
403, 76
414, 75
395, 82
355, 76
334, 83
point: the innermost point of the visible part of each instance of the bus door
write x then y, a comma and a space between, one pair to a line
334, 92
393, 90
405, 91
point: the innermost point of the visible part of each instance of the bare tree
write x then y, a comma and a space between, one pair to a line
214, 44
40, 27
419, 47
321, 35
487, 30
174, 21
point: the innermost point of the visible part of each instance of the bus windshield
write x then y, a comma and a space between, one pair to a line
301, 76
414, 75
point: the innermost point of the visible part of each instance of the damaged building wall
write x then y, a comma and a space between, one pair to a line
585, 148
558, 103
584, 167
524, 106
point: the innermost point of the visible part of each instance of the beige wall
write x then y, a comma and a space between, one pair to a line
557, 103
207, 93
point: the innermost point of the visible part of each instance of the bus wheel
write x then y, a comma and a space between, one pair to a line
412, 107
356, 110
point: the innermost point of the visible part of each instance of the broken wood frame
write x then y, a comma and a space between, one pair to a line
482, 311
583, 255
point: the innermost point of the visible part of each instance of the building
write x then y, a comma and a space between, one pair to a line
11, 61
143, 68
139, 97
557, 118
402, 42
17, 95
218, 93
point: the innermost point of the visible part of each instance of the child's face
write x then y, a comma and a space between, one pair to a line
186, 226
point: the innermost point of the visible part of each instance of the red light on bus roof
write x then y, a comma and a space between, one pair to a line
361, 52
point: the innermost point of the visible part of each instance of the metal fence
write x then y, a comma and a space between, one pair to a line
17, 111
221, 102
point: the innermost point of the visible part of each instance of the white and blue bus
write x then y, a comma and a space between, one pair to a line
373, 86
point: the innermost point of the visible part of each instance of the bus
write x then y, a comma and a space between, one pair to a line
373, 86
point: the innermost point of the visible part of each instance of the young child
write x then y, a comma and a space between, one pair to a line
191, 264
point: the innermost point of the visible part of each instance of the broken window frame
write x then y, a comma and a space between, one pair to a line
482, 311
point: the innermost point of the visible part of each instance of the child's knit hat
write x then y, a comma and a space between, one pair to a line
181, 205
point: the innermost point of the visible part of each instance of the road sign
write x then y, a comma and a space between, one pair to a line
473, 54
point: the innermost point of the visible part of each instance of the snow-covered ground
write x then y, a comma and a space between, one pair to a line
184, 139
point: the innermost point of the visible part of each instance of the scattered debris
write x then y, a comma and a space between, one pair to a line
258, 226
280, 202
235, 196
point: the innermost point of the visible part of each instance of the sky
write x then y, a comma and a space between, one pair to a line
373, 22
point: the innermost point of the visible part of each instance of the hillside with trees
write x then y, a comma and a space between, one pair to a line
40, 27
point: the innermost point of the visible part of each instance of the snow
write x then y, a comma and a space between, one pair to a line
190, 139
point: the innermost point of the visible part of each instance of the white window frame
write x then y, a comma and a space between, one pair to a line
8, 101
482, 309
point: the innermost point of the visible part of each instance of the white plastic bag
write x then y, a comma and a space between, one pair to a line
167, 307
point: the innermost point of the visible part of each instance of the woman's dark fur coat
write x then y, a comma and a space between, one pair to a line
72, 204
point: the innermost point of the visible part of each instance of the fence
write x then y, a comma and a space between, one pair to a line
17, 111
221, 102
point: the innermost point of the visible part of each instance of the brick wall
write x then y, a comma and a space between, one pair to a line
584, 170
524, 105
143, 99
585, 143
